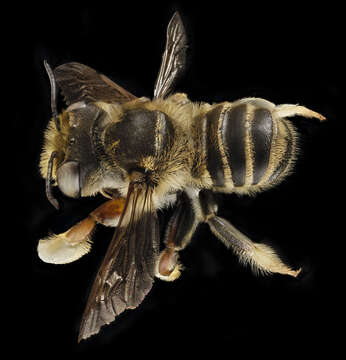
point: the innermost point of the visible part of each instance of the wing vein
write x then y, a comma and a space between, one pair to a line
127, 271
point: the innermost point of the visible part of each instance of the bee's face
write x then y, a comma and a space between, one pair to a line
80, 160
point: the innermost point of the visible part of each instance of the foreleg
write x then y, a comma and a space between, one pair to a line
74, 243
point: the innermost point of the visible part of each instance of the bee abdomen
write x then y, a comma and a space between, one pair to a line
246, 147
233, 128
261, 132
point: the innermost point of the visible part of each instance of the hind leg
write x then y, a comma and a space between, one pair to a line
260, 257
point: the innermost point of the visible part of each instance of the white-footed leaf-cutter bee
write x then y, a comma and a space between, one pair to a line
143, 155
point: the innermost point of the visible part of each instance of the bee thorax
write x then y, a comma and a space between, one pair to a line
139, 135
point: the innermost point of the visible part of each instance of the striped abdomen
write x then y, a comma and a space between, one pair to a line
246, 148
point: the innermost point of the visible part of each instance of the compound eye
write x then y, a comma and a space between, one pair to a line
68, 177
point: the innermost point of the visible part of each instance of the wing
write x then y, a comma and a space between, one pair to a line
173, 59
127, 272
79, 82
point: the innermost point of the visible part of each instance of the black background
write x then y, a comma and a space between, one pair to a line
284, 53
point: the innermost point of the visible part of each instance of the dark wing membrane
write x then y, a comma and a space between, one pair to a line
79, 82
127, 272
173, 59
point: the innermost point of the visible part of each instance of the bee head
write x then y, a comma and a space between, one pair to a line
79, 160
75, 149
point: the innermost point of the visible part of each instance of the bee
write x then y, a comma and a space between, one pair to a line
143, 155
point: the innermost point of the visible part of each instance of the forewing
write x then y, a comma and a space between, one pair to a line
127, 272
173, 59
79, 82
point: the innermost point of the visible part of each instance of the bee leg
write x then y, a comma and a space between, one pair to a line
287, 110
109, 212
179, 232
74, 243
261, 257
281, 111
